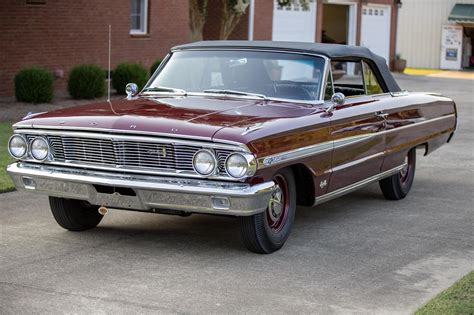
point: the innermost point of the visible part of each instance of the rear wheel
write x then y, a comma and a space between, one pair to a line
266, 232
74, 215
397, 186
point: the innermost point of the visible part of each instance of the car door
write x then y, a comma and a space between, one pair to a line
356, 128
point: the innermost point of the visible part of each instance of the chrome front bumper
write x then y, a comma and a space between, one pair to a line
148, 192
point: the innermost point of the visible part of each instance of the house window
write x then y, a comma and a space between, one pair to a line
139, 17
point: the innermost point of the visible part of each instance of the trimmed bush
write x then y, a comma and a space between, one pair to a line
34, 85
154, 66
86, 82
128, 73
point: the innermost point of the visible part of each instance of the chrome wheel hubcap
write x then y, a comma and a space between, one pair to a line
275, 205
404, 170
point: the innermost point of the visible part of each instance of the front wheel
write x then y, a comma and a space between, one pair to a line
397, 186
74, 215
266, 232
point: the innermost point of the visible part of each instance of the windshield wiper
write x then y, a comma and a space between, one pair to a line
233, 92
164, 89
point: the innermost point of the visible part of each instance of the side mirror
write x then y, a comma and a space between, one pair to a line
131, 89
336, 99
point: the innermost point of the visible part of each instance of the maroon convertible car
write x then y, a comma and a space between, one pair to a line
245, 129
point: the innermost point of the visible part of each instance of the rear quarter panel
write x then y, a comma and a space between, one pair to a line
416, 119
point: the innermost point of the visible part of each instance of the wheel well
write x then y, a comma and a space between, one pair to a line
304, 185
423, 146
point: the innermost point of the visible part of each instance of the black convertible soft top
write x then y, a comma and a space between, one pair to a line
331, 51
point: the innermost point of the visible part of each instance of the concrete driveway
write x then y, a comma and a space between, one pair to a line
356, 254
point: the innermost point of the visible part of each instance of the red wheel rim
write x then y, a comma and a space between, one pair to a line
277, 210
406, 170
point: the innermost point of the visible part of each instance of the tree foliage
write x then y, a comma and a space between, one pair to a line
303, 3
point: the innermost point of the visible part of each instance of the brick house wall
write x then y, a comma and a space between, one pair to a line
59, 34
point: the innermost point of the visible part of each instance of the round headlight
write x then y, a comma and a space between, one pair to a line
39, 149
17, 146
204, 162
239, 165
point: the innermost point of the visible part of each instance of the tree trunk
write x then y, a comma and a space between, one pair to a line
230, 19
197, 18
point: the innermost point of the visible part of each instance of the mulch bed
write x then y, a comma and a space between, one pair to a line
12, 111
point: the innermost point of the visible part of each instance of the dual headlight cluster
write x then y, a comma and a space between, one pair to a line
237, 165
19, 147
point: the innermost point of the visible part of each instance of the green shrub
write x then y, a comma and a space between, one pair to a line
154, 66
34, 85
86, 81
128, 73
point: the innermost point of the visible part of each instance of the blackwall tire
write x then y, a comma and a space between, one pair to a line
74, 215
266, 232
398, 186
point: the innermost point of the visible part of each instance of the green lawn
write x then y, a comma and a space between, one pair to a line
5, 181
458, 299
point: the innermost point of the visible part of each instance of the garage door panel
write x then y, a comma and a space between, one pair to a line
294, 24
375, 29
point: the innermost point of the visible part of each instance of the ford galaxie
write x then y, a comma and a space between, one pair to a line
237, 128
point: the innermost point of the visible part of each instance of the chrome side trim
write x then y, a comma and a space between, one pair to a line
291, 155
417, 124
300, 153
352, 163
348, 189
295, 154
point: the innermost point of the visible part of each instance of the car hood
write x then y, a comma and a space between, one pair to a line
181, 116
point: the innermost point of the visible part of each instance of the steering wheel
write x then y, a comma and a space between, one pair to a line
288, 89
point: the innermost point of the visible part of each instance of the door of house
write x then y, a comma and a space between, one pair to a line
292, 23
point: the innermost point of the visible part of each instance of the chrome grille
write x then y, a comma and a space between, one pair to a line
128, 154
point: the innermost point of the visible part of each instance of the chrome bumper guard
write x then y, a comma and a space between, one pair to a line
148, 192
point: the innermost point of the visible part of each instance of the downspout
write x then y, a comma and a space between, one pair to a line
251, 19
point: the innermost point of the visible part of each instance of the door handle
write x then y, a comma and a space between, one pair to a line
381, 115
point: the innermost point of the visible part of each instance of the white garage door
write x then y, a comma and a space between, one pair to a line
294, 24
375, 31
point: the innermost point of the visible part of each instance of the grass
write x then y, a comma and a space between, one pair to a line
458, 299
5, 182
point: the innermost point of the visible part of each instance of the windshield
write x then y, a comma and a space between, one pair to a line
266, 74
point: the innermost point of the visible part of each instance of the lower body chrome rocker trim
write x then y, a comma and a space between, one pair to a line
149, 192
348, 189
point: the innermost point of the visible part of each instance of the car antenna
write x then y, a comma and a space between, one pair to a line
108, 70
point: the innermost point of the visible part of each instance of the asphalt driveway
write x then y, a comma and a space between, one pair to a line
357, 254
